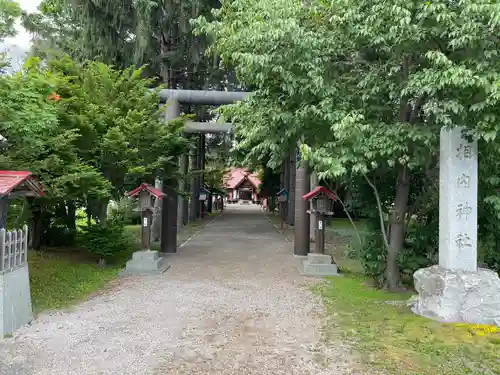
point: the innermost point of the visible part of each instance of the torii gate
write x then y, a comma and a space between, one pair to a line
175, 209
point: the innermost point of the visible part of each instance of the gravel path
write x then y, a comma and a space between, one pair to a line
232, 303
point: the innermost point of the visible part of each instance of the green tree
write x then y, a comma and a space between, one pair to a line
9, 13
270, 185
217, 163
54, 31
89, 132
366, 85
132, 32
38, 143
120, 127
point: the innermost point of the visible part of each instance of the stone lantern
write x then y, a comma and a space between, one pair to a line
145, 261
318, 263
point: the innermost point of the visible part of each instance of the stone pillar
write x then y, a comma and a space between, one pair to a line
302, 187
457, 202
292, 167
200, 145
193, 212
185, 205
312, 218
456, 290
197, 181
170, 205
183, 169
169, 219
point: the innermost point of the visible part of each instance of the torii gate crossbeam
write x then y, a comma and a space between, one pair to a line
203, 97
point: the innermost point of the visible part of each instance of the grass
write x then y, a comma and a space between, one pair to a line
393, 340
62, 277
389, 337
58, 280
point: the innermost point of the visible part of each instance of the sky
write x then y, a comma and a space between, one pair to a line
19, 44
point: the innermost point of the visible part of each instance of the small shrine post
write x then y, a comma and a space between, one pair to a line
318, 263
321, 207
145, 261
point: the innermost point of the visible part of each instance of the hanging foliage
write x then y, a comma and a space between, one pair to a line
157, 33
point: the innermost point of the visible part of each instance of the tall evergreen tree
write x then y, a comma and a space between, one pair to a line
132, 32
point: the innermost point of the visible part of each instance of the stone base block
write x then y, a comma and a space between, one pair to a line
318, 265
145, 263
458, 296
317, 258
15, 300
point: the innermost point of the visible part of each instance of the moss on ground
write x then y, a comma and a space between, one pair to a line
58, 281
390, 339
394, 341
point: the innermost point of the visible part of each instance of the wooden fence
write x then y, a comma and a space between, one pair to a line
13, 248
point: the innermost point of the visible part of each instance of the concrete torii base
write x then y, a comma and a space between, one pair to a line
318, 265
145, 263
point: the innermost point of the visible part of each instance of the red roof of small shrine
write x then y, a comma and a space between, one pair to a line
150, 189
19, 180
238, 175
320, 190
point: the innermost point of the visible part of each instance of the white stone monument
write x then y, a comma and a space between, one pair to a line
456, 290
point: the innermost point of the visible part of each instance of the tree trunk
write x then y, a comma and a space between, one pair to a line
271, 204
397, 229
156, 224
37, 229
4, 210
60, 211
103, 212
71, 221
89, 217
209, 204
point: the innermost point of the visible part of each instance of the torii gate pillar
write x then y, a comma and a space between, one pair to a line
170, 204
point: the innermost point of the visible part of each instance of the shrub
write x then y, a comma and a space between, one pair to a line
420, 251
373, 259
421, 248
372, 253
105, 241
123, 210
59, 235
489, 253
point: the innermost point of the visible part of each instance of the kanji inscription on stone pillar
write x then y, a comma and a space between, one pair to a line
457, 201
